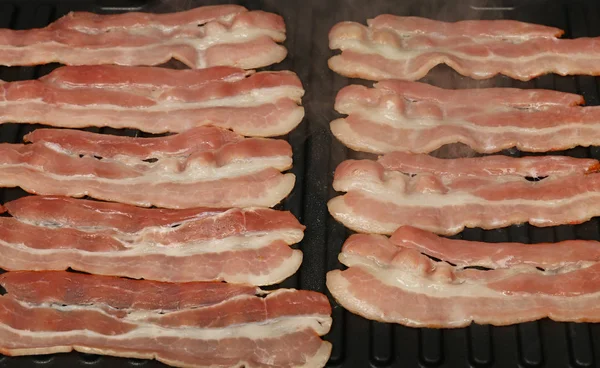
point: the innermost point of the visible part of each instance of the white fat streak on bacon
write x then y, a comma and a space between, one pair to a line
255, 104
266, 189
164, 266
492, 97
503, 29
179, 97
72, 343
225, 37
494, 255
253, 98
291, 233
47, 168
141, 79
93, 23
172, 169
89, 215
270, 120
140, 343
380, 200
388, 48
321, 324
372, 136
165, 169
497, 165
413, 117
385, 288
249, 241
274, 327
141, 333
109, 146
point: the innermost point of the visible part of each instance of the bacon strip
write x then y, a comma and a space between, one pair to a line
157, 100
111, 146
380, 200
416, 117
116, 292
200, 38
394, 47
549, 256
228, 171
79, 213
250, 245
385, 280
497, 165
215, 325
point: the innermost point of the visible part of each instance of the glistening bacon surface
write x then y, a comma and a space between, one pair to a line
394, 47
200, 38
157, 100
215, 325
385, 282
115, 292
496, 165
226, 171
419, 118
549, 256
379, 200
250, 245
111, 146
79, 213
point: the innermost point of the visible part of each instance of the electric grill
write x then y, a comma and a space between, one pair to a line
358, 342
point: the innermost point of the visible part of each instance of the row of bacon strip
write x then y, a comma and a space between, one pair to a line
212, 237
415, 277
407, 48
157, 100
406, 196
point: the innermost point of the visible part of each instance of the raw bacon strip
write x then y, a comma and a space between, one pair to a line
111, 146
384, 281
157, 100
199, 38
237, 326
237, 172
549, 256
80, 213
505, 29
419, 118
498, 165
115, 292
380, 200
142, 80
249, 245
454, 98
394, 47
180, 85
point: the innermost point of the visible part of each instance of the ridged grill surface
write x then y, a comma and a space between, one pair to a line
358, 342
